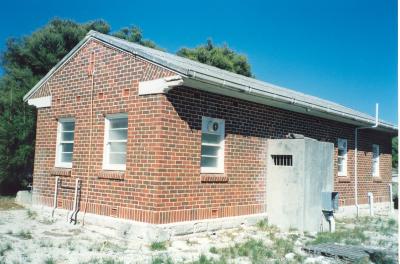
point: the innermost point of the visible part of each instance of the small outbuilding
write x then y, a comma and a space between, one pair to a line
132, 132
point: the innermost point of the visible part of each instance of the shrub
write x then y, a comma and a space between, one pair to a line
31, 214
160, 260
158, 246
204, 260
262, 224
4, 248
253, 249
24, 234
50, 260
283, 246
349, 237
102, 261
213, 250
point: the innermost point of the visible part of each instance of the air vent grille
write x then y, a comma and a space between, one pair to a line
282, 160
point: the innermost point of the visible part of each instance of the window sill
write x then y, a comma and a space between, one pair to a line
205, 177
111, 175
376, 179
65, 172
344, 179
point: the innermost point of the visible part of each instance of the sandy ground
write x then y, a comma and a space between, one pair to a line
27, 237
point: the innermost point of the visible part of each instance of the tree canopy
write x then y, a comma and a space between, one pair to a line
134, 34
222, 57
26, 60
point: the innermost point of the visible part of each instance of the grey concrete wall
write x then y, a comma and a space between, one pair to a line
24, 198
293, 193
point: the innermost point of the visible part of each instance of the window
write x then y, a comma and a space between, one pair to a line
282, 160
115, 139
342, 157
212, 145
375, 160
65, 142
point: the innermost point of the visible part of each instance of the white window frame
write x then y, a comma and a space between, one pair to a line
106, 151
375, 170
221, 153
58, 162
342, 145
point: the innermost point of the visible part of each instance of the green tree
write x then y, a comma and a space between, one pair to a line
134, 34
395, 152
25, 61
222, 57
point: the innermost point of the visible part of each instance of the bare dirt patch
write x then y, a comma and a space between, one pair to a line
8, 203
27, 236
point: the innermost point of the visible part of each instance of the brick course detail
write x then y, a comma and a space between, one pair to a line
162, 182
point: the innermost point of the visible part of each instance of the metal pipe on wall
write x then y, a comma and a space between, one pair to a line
91, 72
75, 208
55, 196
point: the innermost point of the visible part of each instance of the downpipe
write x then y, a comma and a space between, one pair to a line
330, 218
76, 207
371, 203
332, 224
91, 74
356, 157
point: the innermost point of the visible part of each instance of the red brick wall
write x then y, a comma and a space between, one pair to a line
115, 90
162, 182
247, 126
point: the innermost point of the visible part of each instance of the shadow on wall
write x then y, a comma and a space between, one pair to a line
254, 120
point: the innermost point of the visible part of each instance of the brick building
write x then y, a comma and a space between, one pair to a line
157, 138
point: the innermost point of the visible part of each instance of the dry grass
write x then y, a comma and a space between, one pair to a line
8, 203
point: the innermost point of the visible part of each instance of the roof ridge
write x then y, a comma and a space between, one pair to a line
208, 74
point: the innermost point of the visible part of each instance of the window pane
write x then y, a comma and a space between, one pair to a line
340, 168
117, 158
118, 134
209, 162
66, 157
210, 150
68, 126
67, 147
117, 147
67, 136
119, 123
210, 138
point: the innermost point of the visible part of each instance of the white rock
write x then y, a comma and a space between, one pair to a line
290, 256
180, 245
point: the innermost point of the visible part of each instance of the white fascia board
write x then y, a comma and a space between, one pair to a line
159, 86
40, 102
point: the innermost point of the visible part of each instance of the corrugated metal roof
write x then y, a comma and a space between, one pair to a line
198, 71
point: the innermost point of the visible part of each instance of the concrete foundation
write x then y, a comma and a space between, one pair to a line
294, 191
152, 232
350, 210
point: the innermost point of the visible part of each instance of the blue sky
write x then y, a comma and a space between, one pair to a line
342, 50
